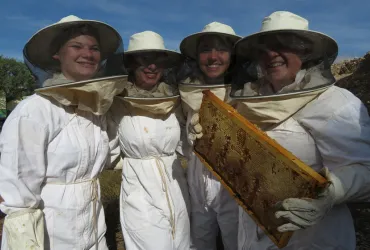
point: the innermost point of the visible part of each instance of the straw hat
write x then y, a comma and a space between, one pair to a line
287, 22
38, 49
189, 44
149, 41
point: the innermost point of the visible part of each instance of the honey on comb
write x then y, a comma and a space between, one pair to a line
256, 170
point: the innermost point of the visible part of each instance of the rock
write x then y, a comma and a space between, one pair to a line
354, 75
345, 67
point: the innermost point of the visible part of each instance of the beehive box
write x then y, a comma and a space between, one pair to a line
255, 169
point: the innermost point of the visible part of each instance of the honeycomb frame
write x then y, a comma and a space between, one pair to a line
228, 140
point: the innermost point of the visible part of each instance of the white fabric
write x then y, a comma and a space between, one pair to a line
149, 41
263, 107
161, 89
95, 96
212, 207
192, 96
25, 230
45, 39
219, 27
146, 40
332, 131
119, 109
268, 111
154, 201
50, 158
189, 44
285, 21
114, 116
156, 106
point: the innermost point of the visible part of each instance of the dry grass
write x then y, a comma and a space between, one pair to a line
110, 184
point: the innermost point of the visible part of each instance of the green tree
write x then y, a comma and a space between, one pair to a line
15, 79
2, 105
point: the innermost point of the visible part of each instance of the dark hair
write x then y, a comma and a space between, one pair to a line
190, 67
169, 65
71, 32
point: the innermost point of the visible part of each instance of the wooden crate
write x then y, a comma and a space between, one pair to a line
254, 168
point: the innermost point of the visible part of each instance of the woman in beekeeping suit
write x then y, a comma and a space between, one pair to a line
210, 52
54, 143
154, 196
327, 127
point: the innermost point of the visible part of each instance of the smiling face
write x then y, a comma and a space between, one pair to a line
149, 69
214, 56
148, 77
79, 58
280, 58
280, 67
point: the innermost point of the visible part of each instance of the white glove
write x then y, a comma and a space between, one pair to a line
25, 230
193, 127
305, 212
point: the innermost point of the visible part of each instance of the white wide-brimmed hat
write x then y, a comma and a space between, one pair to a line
287, 22
38, 50
149, 41
189, 44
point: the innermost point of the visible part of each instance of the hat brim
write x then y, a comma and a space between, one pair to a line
173, 56
38, 49
323, 45
79, 83
188, 45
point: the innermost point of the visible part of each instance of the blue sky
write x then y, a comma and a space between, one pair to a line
346, 21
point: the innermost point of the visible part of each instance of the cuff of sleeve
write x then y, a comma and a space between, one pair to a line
25, 229
351, 183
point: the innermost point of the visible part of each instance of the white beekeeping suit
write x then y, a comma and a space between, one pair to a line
327, 127
154, 199
52, 148
212, 205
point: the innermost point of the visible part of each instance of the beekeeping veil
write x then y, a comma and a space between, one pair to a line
93, 95
147, 48
191, 89
252, 92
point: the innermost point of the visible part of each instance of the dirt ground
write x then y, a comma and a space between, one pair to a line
110, 182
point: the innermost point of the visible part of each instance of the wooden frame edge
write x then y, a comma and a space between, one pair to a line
272, 143
285, 236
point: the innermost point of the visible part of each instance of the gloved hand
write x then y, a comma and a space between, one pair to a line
305, 212
193, 127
